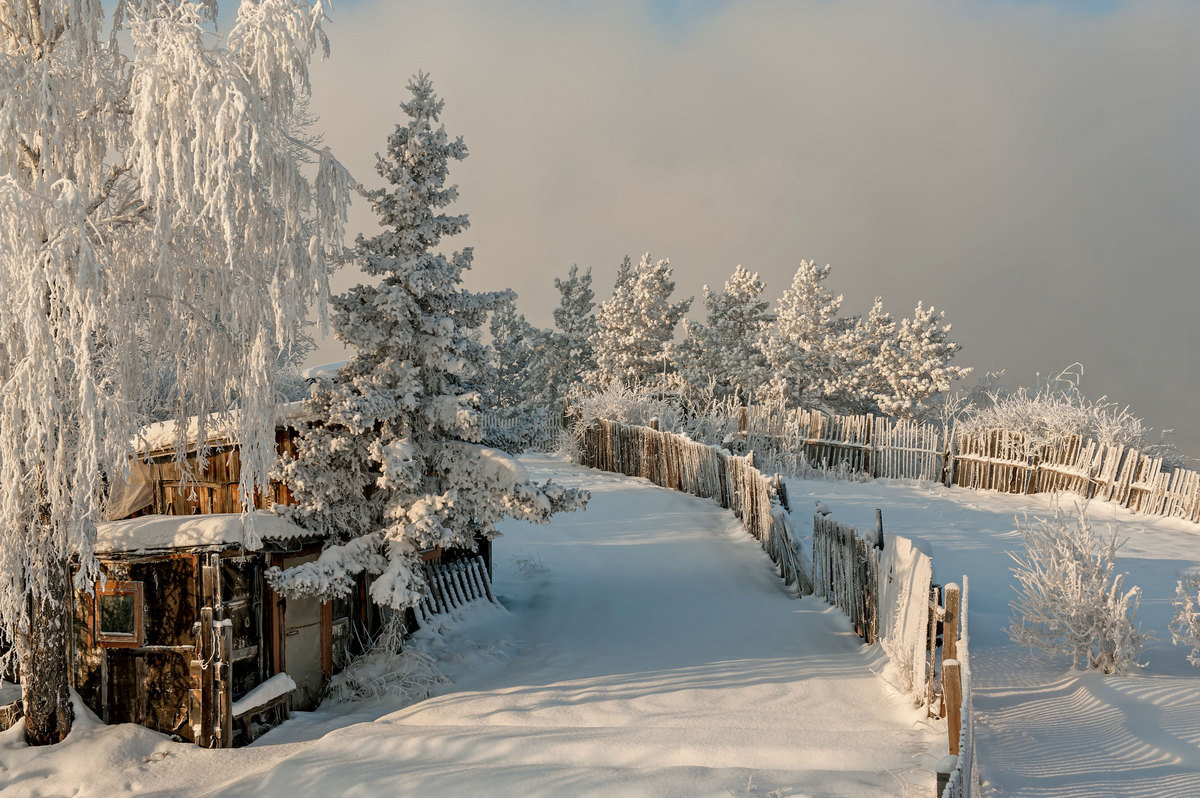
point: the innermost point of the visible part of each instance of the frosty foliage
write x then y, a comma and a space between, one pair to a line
723, 358
389, 669
800, 347
914, 365
1185, 625
575, 320
1071, 600
392, 467
635, 325
1057, 410
637, 405
151, 190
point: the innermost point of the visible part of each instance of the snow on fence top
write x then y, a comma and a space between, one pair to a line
889, 597
156, 533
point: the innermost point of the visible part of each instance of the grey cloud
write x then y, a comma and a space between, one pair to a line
1031, 171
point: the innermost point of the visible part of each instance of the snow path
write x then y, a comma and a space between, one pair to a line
1043, 730
648, 650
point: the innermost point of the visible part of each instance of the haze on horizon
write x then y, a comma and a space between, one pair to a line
1030, 168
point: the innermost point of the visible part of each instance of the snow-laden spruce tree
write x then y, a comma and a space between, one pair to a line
802, 345
575, 318
915, 364
150, 189
1070, 598
724, 353
513, 339
390, 466
634, 326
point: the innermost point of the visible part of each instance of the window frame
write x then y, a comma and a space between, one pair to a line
114, 587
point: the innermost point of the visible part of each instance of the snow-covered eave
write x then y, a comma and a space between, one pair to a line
152, 536
160, 438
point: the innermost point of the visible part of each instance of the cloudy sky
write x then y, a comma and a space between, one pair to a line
1031, 168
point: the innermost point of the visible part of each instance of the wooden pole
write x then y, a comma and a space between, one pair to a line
224, 674
950, 625
206, 678
952, 689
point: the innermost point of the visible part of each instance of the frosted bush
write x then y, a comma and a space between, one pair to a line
1057, 409
390, 668
1071, 600
1185, 626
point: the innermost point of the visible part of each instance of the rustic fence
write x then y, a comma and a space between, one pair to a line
887, 593
544, 431
675, 462
454, 584
1001, 460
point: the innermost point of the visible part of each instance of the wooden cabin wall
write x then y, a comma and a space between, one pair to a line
129, 685
151, 688
214, 488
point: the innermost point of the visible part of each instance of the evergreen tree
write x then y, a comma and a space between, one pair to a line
803, 345
392, 467
575, 319
513, 340
915, 364
725, 351
860, 379
635, 325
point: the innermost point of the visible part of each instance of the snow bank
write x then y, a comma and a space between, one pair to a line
163, 532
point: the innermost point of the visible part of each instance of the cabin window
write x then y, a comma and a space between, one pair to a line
119, 613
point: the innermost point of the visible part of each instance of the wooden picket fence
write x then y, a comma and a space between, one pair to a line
453, 585
1001, 460
889, 597
675, 462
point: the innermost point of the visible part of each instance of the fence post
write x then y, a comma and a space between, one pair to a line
952, 690
950, 625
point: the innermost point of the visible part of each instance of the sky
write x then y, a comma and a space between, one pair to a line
1030, 168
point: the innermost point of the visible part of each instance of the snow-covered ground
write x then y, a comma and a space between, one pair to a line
1042, 729
648, 649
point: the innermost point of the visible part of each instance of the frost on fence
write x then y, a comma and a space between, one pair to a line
964, 779
905, 577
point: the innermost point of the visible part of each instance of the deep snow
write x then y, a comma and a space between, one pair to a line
1043, 729
648, 649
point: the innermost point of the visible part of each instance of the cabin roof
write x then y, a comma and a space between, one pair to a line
159, 533
219, 429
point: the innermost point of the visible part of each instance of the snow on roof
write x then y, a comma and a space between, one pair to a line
151, 533
323, 371
219, 428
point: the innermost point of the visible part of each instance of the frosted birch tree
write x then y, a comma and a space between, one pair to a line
634, 326
392, 466
724, 352
149, 183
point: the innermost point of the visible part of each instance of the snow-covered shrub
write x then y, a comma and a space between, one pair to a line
1185, 626
1057, 409
390, 668
638, 405
1071, 600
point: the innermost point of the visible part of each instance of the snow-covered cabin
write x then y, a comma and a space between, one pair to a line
183, 633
